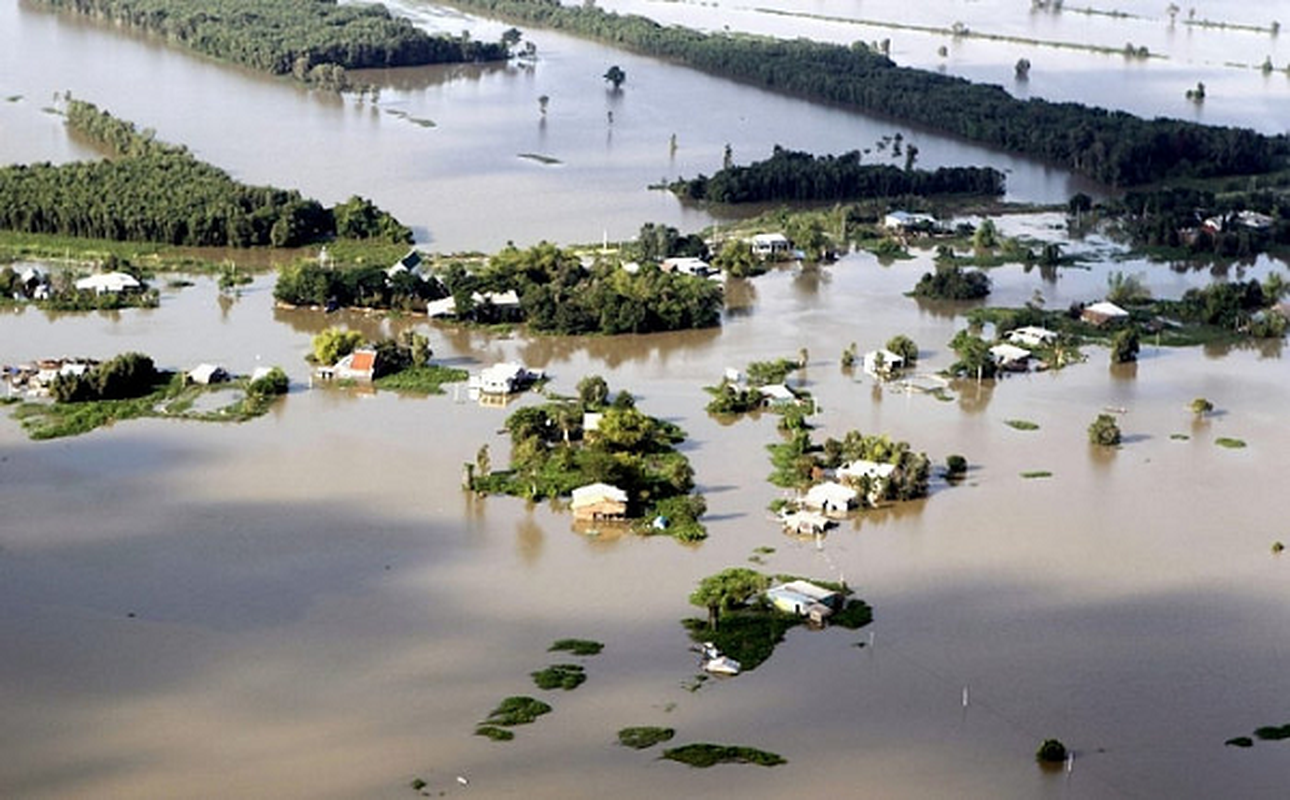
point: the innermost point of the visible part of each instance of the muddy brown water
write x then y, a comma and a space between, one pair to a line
308, 605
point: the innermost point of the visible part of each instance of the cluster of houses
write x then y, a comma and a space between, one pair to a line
34, 283
853, 484
37, 377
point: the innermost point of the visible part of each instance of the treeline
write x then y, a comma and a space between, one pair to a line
313, 40
1202, 222
310, 284
156, 192
1110, 146
790, 175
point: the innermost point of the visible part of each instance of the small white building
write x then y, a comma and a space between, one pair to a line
902, 221
769, 245
1102, 313
830, 496
109, 283
882, 363
599, 501
504, 378
412, 262
805, 523
1009, 356
777, 394
1031, 336
687, 265
206, 374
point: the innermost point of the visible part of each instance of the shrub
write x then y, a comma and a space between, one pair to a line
274, 382
1104, 431
579, 647
560, 676
955, 465
643, 737
707, 755
1051, 751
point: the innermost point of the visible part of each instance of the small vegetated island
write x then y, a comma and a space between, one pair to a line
150, 191
791, 176
616, 462
549, 288
315, 41
1110, 146
85, 395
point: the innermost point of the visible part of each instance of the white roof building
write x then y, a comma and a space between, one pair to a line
109, 282
777, 393
862, 468
1031, 336
830, 497
1009, 355
594, 493
687, 265
765, 244
882, 363
206, 374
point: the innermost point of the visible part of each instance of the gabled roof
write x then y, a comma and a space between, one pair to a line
834, 494
778, 392
1106, 309
1009, 353
109, 282
862, 467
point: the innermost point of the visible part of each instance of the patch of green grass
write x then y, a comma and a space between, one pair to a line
1229, 442
1036, 473
495, 733
644, 737
1179, 437
428, 379
704, 755
560, 676
579, 647
763, 550
516, 711
1021, 424
1239, 741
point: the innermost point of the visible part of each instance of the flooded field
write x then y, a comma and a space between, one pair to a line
307, 605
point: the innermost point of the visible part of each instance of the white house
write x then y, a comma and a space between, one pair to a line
804, 599
806, 523
876, 474
599, 501
1009, 356
905, 221
777, 394
882, 363
770, 244
504, 378
206, 374
830, 496
687, 265
1031, 336
109, 283
1102, 313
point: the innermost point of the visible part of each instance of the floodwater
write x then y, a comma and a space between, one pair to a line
307, 605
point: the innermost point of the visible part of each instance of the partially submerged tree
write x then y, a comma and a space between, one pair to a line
1104, 431
728, 590
616, 76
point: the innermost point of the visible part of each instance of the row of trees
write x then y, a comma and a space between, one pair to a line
121, 378
310, 284
791, 175
313, 40
1110, 146
155, 192
952, 282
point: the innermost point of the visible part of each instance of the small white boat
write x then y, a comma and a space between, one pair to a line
721, 665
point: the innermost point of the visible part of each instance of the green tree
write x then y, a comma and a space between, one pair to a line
1104, 431
274, 382
904, 347
1125, 345
1126, 289
593, 392
333, 344
736, 259
1200, 406
483, 462
1051, 751
728, 590
975, 360
986, 236
615, 75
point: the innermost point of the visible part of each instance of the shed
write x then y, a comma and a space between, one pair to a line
1031, 336
206, 374
770, 244
1009, 356
1101, 313
359, 365
882, 363
830, 496
777, 394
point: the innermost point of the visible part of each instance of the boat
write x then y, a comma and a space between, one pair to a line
721, 665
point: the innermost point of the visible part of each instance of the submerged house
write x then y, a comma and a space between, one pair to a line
599, 501
777, 394
359, 365
805, 523
206, 374
1031, 336
1102, 313
830, 496
687, 265
805, 599
770, 245
1010, 357
873, 474
882, 363
109, 283
506, 377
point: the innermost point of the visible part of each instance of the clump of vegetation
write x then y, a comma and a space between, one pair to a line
1104, 431
551, 455
708, 755
271, 384
765, 373
1021, 424
955, 466
578, 647
952, 282
1200, 406
904, 347
1179, 437
1230, 442
426, 379
418, 784
1273, 733
1036, 473
641, 738
974, 357
1239, 741
333, 344
516, 711
1278, 547
495, 733
1125, 345
560, 676
1052, 751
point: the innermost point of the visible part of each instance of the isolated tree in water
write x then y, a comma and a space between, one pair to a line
616, 76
